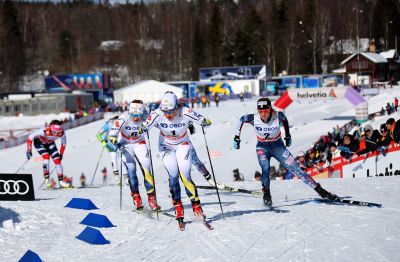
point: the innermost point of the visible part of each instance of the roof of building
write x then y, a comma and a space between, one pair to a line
374, 57
389, 54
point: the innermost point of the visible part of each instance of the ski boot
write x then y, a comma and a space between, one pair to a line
325, 194
117, 178
267, 197
48, 183
64, 184
197, 210
212, 183
47, 180
137, 200
153, 202
179, 212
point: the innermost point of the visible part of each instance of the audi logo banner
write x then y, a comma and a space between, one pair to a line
16, 187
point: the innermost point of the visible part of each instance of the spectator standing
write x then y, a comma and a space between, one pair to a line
388, 108
216, 99
241, 96
82, 179
396, 103
203, 101
192, 101
105, 175
198, 101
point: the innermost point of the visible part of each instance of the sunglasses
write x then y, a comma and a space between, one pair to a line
264, 110
168, 112
136, 115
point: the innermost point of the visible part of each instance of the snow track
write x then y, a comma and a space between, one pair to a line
309, 231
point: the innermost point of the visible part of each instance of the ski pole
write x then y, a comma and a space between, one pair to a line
26, 161
152, 171
120, 183
97, 165
212, 171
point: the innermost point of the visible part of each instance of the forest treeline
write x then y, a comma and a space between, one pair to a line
170, 40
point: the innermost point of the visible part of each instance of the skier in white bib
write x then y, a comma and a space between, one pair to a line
126, 137
176, 149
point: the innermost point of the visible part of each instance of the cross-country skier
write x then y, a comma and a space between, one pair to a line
270, 144
126, 137
44, 141
102, 136
176, 149
195, 159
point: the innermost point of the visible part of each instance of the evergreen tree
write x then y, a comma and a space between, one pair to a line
198, 51
278, 33
214, 36
254, 35
66, 50
386, 21
241, 53
306, 26
13, 56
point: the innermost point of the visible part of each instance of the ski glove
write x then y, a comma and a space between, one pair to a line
142, 130
112, 139
288, 141
28, 154
191, 128
206, 122
236, 142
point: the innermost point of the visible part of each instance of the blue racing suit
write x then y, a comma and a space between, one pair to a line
270, 144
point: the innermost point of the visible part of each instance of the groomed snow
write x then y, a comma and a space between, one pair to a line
309, 231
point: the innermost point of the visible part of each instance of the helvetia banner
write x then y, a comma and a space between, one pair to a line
16, 187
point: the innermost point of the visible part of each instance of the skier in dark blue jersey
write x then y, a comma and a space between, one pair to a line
267, 124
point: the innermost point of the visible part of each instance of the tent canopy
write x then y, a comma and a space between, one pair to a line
148, 91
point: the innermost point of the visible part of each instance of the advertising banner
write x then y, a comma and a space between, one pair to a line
67, 83
362, 166
16, 187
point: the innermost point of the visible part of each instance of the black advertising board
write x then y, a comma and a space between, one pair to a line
16, 187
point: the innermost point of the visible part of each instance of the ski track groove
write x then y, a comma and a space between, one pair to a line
301, 240
255, 242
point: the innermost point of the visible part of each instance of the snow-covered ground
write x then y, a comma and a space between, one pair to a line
309, 231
